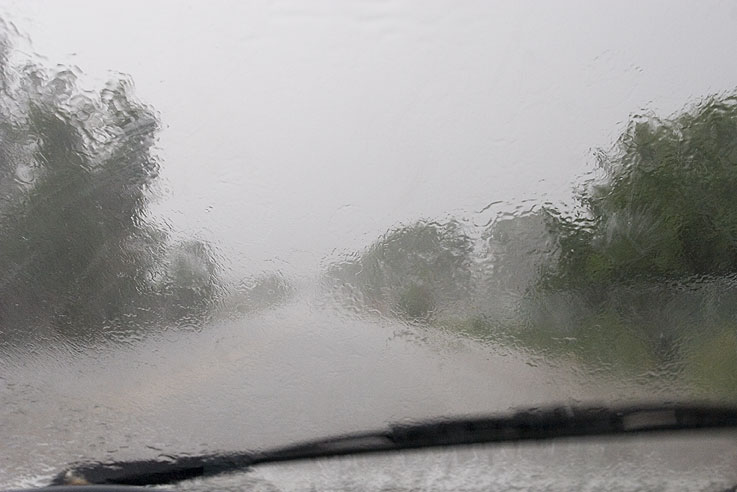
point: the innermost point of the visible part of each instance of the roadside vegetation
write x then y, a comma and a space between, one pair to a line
80, 255
637, 275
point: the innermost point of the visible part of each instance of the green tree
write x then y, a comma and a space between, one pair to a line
190, 289
651, 250
517, 249
411, 271
77, 251
260, 292
666, 208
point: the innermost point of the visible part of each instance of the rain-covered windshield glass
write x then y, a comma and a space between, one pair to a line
238, 225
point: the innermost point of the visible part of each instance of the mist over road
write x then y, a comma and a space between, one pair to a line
296, 372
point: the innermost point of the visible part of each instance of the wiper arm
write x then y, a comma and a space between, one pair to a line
534, 424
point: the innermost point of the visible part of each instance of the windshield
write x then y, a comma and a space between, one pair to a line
241, 225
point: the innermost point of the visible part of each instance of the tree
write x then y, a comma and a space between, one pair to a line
517, 248
666, 208
411, 271
259, 292
190, 289
77, 251
651, 249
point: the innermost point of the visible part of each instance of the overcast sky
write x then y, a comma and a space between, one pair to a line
295, 128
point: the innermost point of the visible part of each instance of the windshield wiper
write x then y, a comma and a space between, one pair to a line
533, 424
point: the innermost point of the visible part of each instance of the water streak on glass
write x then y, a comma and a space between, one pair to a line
250, 224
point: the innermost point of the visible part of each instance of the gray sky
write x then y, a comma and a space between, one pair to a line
294, 128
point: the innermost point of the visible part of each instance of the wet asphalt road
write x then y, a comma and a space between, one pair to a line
298, 372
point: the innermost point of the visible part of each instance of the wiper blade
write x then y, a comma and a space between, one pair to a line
532, 424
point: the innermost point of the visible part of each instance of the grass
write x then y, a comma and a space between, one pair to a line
705, 358
710, 362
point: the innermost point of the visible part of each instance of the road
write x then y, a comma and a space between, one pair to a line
297, 372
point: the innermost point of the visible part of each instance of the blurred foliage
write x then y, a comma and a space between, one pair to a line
630, 278
652, 246
77, 251
411, 272
640, 272
636, 276
191, 288
259, 292
518, 247
515, 251
666, 207
710, 362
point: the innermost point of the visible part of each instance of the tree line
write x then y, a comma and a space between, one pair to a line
77, 247
639, 268
652, 237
